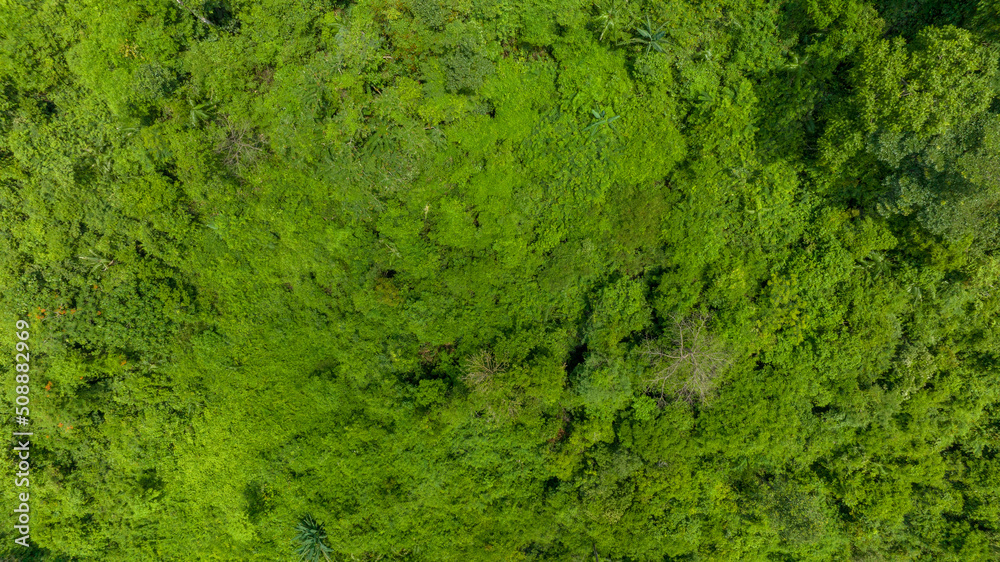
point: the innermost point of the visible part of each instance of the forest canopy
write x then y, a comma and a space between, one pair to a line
434, 280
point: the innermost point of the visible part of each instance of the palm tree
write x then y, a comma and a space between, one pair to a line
609, 18
650, 37
97, 260
311, 538
600, 119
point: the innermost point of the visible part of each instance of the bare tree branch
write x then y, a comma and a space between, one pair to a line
480, 370
241, 147
692, 366
203, 20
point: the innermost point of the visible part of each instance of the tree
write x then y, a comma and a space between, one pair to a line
691, 364
908, 97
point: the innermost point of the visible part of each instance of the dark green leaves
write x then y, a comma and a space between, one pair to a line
311, 537
649, 37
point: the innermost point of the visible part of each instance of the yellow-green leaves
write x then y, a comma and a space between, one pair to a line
939, 81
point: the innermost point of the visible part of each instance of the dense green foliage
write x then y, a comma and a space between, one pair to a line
437, 280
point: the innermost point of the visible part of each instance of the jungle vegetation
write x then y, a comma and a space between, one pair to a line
486, 280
